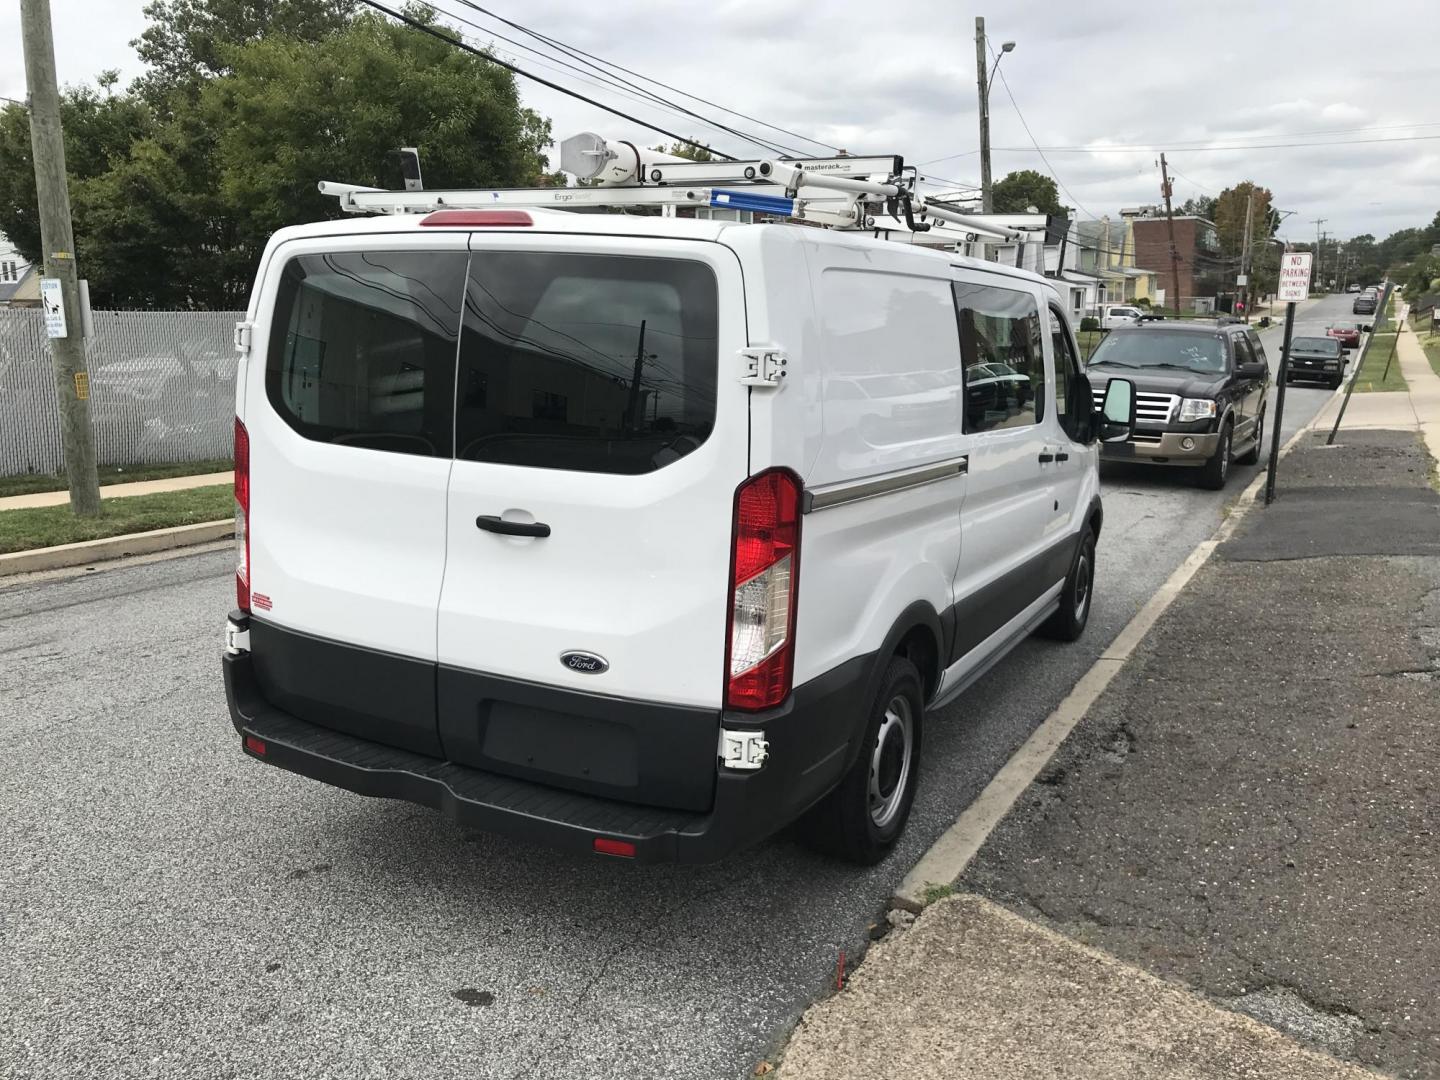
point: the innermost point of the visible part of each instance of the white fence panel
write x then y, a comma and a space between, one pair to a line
162, 388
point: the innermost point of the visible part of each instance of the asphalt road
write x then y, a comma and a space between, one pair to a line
169, 908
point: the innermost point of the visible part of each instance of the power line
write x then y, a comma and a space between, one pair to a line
637, 92
433, 32
1137, 148
574, 50
1005, 83
1197, 187
1207, 149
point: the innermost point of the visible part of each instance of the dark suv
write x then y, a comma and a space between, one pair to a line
1200, 394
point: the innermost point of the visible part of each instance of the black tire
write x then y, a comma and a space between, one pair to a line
1068, 623
1217, 470
860, 822
1252, 456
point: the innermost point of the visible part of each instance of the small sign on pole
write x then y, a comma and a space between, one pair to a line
1294, 277
52, 298
1242, 279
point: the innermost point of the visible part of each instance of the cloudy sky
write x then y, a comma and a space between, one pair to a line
1225, 89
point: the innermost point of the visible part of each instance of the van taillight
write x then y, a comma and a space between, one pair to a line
764, 579
242, 516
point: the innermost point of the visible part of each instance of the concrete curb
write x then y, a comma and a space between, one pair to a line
948, 857
114, 547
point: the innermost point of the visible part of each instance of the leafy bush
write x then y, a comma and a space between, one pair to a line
1089, 322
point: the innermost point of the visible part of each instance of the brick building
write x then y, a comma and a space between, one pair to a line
1202, 270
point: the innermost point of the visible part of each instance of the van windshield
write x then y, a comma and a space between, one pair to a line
1145, 348
592, 363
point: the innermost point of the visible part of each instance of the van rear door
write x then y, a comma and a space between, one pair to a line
601, 432
348, 411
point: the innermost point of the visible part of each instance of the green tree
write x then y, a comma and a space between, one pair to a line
371, 87
177, 184
1201, 206
695, 152
189, 41
1018, 191
99, 129
1230, 217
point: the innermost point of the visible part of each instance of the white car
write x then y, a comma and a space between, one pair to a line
644, 536
1114, 315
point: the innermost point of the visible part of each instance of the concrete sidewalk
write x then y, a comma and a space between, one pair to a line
1245, 821
974, 991
118, 491
1417, 408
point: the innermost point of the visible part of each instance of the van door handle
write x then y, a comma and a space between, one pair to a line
1046, 457
1061, 455
492, 523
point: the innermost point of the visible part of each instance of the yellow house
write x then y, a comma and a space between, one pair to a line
1107, 250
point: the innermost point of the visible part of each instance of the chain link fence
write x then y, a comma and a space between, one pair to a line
162, 388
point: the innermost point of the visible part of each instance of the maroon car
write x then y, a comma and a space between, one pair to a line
1347, 333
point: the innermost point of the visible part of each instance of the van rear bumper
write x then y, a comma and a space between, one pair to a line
811, 742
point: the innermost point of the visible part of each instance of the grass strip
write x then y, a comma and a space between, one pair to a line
1430, 342
1369, 379
30, 483
46, 526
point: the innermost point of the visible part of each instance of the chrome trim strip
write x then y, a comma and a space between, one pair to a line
869, 487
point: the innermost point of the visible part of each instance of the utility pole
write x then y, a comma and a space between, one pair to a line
1245, 255
1165, 188
987, 201
1318, 278
57, 240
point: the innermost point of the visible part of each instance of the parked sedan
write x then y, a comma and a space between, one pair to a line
1321, 358
1347, 333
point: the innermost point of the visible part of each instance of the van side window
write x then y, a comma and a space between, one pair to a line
591, 363
1073, 407
1003, 357
362, 348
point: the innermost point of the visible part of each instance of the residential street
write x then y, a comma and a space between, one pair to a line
170, 908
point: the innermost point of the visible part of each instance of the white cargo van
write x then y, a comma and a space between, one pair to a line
641, 535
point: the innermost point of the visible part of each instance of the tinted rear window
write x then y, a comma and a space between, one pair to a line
592, 363
362, 348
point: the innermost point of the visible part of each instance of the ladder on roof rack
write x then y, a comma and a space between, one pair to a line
841, 192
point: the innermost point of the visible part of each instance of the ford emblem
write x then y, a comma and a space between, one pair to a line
586, 663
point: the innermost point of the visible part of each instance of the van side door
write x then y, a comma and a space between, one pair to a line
1073, 419
1008, 562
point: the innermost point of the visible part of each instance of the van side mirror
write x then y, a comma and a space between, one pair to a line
1117, 414
1256, 370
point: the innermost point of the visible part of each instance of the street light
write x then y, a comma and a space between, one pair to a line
984, 78
1005, 46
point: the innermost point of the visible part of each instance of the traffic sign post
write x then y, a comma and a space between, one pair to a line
1380, 311
1294, 287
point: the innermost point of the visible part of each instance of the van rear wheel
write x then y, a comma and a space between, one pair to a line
860, 820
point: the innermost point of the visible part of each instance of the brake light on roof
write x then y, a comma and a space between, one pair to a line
764, 584
465, 219
242, 517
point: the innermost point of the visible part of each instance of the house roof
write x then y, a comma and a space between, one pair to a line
28, 287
